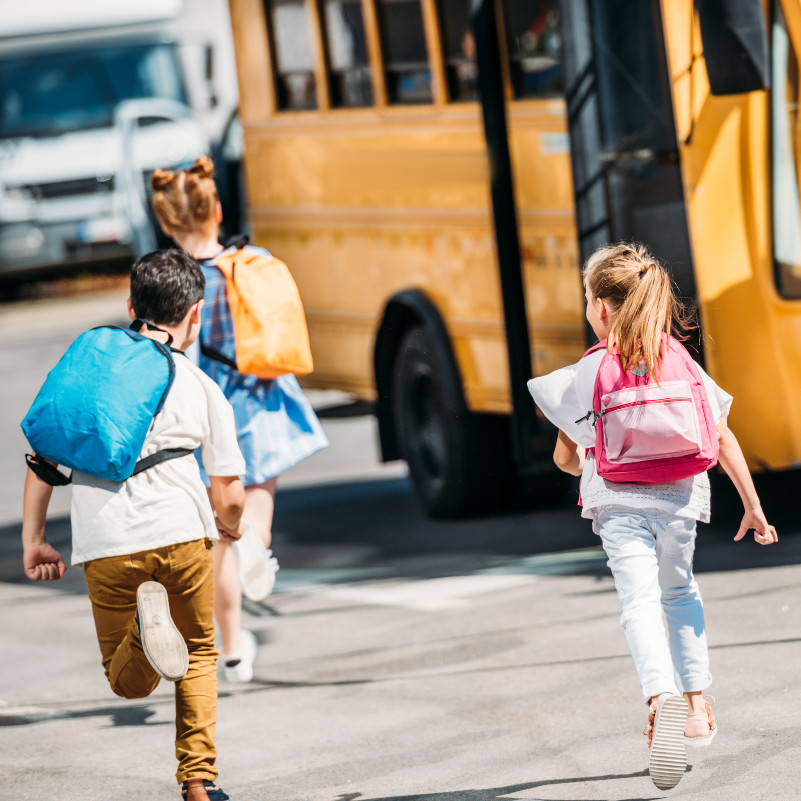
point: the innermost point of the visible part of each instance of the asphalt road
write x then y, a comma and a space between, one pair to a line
401, 658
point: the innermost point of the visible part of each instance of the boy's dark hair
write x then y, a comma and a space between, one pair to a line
165, 284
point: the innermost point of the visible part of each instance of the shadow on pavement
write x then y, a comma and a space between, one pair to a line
119, 715
498, 793
378, 524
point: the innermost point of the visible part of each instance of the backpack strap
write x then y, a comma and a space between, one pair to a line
51, 475
215, 355
158, 457
591, 413
138, 324
47, 471
237, 241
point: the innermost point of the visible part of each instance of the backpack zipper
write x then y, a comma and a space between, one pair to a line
598, 415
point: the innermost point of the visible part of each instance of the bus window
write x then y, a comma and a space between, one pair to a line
293, 54
785, 155
535, 47
405, 56
347, 53
460, 51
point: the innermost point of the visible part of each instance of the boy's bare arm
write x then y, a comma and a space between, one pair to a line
228, 500
42, 562
568, 456
733, 462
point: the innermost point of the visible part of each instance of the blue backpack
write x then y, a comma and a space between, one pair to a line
97, 404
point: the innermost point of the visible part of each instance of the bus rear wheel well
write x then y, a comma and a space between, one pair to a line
404, 311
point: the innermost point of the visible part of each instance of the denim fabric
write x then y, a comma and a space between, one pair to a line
651, 555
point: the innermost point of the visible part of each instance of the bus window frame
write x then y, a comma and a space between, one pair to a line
320, 91
435, 51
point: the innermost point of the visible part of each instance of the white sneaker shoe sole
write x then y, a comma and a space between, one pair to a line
256, 568
668, 761
163, 644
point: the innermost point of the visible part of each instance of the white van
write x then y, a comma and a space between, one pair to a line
93, 97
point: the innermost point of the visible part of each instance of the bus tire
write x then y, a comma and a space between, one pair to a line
457, 462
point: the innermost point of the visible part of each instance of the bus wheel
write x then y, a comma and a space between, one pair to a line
455, 467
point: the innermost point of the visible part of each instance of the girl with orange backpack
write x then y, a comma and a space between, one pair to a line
276, 425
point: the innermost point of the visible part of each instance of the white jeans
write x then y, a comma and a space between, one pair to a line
651, 555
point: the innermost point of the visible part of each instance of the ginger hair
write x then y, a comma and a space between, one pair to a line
640, 294
185, 200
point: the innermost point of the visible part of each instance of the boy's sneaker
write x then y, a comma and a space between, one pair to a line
700, 729
163, 644
257, 565
201, 790
666, 720
238, 667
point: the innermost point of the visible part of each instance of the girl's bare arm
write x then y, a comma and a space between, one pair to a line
733, 462
568, 456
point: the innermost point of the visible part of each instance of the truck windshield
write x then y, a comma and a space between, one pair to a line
45, 94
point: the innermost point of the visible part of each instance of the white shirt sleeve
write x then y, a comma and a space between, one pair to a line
565, 396
219, 448
719, 400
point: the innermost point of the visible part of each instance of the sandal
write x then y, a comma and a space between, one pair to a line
213, 792
665, 731
701, 728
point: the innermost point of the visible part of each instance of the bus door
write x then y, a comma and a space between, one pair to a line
624, 152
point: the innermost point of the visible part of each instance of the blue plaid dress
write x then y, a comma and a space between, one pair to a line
275, 423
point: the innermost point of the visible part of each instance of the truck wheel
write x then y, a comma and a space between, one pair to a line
457, 462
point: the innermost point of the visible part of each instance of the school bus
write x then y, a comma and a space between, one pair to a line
435, 175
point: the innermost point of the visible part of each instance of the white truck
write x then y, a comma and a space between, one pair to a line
93, 96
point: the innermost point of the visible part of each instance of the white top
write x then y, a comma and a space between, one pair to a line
168, 503
564, 396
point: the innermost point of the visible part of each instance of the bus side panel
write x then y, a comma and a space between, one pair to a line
363, 206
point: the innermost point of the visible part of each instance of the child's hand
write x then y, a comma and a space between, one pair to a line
764, 533
232, 535
42, 562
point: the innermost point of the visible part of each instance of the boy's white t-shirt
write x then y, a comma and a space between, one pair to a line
168, 503
565, 396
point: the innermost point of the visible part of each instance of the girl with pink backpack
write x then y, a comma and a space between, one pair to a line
641, 422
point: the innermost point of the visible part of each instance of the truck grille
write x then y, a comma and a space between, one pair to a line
78, 186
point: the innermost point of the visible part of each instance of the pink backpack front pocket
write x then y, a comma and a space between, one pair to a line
652, 421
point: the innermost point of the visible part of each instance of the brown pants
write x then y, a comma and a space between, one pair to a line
185, 570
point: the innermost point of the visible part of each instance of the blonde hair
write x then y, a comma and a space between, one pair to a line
641, 297
185, 200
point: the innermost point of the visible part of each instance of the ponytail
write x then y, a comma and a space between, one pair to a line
641, 296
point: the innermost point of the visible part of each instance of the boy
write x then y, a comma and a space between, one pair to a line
145, 543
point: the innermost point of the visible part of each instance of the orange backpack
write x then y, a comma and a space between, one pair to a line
269, 323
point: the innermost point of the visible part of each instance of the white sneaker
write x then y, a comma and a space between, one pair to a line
257, 565
238, 667
164, 646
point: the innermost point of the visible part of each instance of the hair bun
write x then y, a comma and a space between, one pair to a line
161, 179
204, 167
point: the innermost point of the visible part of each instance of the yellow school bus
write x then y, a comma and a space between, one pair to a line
435, 173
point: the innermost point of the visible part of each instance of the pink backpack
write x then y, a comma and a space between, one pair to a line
649, 432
